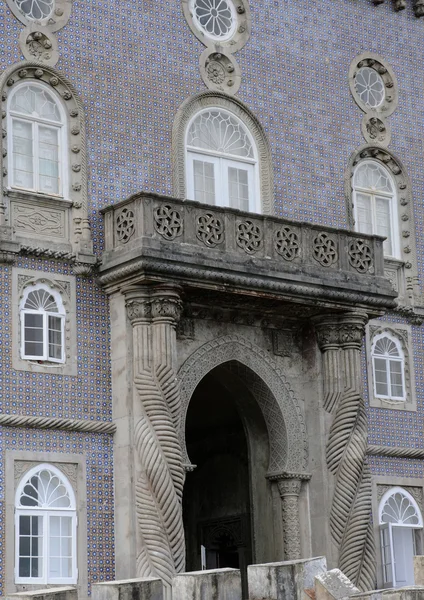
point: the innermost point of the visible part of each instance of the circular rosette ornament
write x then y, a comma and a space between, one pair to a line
37, 43
375, 130
220, 72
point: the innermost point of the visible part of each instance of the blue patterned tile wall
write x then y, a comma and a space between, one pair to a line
133, 64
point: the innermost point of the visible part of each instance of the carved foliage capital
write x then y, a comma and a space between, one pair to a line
328, 335
167, 306
341, 331
159, 304
139, 309
289, 487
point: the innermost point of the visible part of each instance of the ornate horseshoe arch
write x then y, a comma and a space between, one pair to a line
286, 428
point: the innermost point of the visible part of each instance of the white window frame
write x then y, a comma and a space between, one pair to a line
387, 360
222, 162
45, 314
392, 203
63, 162
384, 526
46, 514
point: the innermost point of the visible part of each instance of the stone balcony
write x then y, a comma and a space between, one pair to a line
215, 252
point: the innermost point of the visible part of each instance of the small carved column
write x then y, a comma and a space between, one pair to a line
327, 330
289, 491
159, 474
352, 330
350, 516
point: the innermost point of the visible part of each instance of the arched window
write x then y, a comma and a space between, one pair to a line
400, 520
375, 205
45, 522
37, 140
222, 161
42, 324
388, 363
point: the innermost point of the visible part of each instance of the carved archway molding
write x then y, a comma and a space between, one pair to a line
270, 388
192, 106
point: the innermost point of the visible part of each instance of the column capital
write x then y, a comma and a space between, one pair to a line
344, 330
289, 487
166, 303
352, 329
138, 304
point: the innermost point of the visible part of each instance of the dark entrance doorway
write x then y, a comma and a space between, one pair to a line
216, 501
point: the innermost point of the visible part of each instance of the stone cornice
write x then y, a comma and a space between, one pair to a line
80, 425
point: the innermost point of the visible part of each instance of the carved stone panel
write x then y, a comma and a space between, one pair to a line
39, 221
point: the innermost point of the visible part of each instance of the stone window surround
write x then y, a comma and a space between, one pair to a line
402, 333
403, 273
376, 62
59, 18
241, 33
59, 127
37, 511
205, 100
71, 234
63, 462
387, 480
60, 314
64, 285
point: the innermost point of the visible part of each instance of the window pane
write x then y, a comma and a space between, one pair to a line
23, 166
24, 546
204, 181
66, 567
54, 569
48, 159
30, 546
396, 378
60, 559
382, 210
380, 375
364, 213
33, 332
55, 337
238, 188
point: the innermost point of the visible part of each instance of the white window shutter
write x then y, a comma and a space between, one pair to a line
383, 223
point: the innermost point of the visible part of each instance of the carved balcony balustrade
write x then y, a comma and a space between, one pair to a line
158, 238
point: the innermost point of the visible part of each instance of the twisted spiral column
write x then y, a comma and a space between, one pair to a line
350, 517
289, 491
159, 471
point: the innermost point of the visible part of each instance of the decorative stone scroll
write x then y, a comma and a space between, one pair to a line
325, 250
287, 243
220, 72
249, 236
210, 230
154, 314
418, 6
168, 222
360, 256
125, 225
